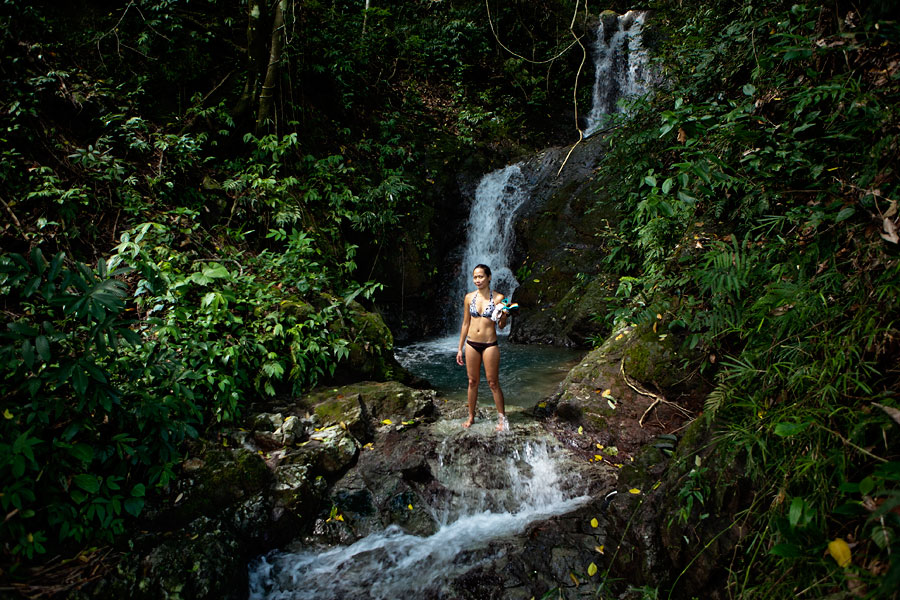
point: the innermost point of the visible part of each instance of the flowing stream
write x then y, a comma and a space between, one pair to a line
525, 487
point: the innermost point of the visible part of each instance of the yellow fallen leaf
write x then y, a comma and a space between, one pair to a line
599, 549
580, 430
620, 336
542, 405
840, 552
575, 579
598, 457
658, 316
595, 522
339, 517
656, 485
634, 491
592, 570
536, 280
600, 446
607, 393
409, 506
387, 422
7, 415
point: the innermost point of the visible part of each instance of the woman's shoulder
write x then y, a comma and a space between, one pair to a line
498, 297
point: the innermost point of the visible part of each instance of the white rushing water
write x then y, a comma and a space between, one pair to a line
526, 487
621, 68
490, 232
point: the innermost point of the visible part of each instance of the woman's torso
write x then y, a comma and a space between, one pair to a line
481, 327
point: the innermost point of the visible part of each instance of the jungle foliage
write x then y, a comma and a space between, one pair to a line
192, 196
760, 191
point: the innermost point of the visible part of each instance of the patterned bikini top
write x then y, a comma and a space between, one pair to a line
488, 310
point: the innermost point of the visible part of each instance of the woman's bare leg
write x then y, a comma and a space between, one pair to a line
491, 359
473, 370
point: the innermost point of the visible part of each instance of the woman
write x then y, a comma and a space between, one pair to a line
479, 334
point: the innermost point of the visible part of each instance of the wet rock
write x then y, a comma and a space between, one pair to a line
557, 258
343, 406
332, 448
666, 541
601, 404
213, 481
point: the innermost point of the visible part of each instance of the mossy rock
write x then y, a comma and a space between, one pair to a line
297, 308
393, 400
348, 409
651, 357
224, 478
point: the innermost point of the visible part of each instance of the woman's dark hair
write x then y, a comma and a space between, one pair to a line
485, 268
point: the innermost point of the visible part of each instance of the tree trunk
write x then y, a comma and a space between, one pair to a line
258, 20
266, 119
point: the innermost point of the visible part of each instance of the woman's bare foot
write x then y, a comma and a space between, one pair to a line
468, 423
502, 423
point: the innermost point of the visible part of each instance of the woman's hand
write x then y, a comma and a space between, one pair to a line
459, 357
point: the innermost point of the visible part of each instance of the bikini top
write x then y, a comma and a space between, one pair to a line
488, 310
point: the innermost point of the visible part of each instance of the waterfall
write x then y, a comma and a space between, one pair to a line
621, 66
523, 488
490, 233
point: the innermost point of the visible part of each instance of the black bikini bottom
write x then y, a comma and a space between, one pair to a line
480, 347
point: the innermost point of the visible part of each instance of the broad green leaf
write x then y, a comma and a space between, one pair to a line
216, 271
789, 429
881, 535
133, 506
42, 345
866, 486
667, 185
82, 452
786, 550
87, 482
796, 511
845, 214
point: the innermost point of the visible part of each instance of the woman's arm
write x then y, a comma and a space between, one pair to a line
501, 323
464, 330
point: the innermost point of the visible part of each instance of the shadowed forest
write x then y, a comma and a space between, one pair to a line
208, 205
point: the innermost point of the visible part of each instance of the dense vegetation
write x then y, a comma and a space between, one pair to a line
188, 190
195, 194
760, 190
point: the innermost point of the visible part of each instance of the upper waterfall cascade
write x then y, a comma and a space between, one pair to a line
621, 66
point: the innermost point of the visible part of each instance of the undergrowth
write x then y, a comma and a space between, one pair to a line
760, 191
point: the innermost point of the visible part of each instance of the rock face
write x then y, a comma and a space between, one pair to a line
558, 254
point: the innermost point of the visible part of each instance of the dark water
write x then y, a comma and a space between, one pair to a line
528, 373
